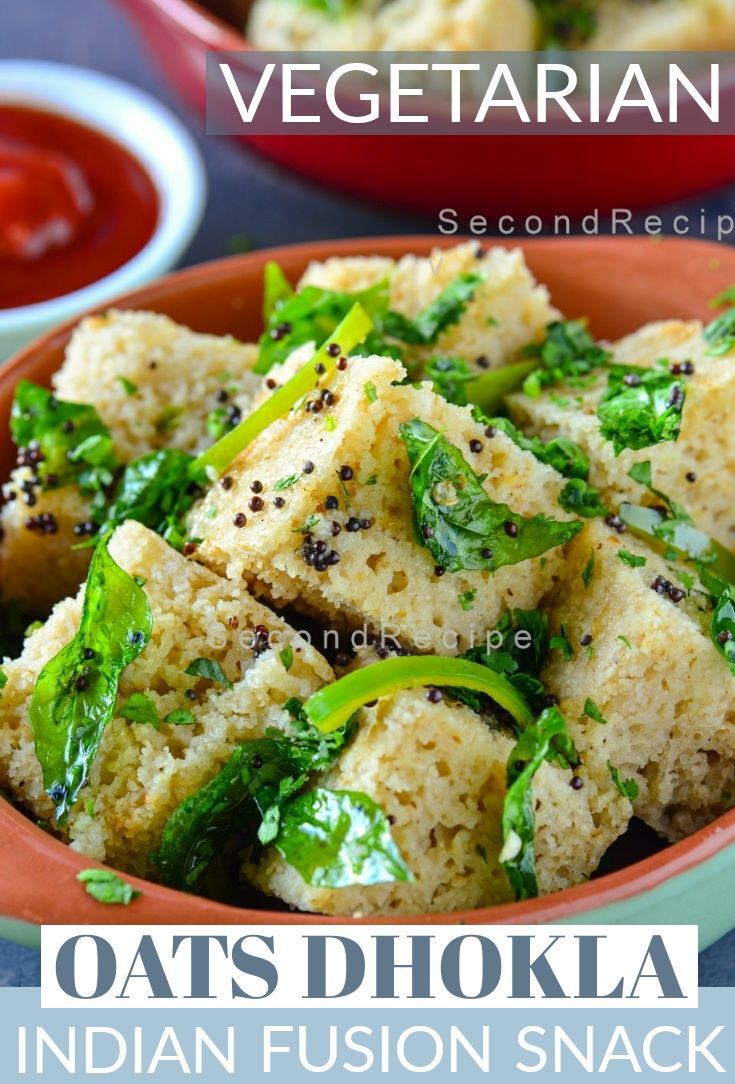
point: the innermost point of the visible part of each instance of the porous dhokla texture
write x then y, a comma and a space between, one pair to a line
383, 577
400, 24
179, 377
508, 310
665, 691
698, 468
667, 24
438, 771
141, 774
153, 383
38, 564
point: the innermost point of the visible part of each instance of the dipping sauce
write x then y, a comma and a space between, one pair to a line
74, 206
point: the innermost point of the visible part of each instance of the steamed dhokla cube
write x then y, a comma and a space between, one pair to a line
645, 659
438, 771
142, 773
153, 382
37, 533
508, 310
402, 24
667, 24
318, 512
698, 468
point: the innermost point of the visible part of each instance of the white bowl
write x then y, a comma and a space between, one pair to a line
154, 136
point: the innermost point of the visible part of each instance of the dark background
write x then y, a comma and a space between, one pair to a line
250, 198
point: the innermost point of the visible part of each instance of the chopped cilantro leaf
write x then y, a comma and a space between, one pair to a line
568, 351
641, 407
561, 643
127, 385
106, 887
592, 711
631, 559
287, 482
581, 499
209, 669
180, 717
139, 708
628, 788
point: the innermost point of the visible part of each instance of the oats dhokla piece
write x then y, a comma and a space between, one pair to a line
508, 310
644, 657
697, 469
438, 771
153, 382
318, 512
488, 24
399, 24
666, 24
37, 533
141, 774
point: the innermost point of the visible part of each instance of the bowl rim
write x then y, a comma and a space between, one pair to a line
24, 847
199, 20
98, 101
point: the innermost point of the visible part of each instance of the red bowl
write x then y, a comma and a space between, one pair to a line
543, 175
619, 284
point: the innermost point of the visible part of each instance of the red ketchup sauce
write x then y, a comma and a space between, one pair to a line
74, 206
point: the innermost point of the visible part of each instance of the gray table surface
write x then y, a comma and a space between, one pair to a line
248, 196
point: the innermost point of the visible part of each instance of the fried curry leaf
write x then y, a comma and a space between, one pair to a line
246, 796
567, 353
443, 312
339, 838
234, 801
534, 746
76, 692
457, 521
72, 441
157, 490
561, 453
582, 499
641, 407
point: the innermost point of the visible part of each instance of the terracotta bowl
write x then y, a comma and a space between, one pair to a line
474, 174
619, 284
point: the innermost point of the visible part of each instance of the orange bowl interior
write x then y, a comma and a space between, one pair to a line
619, 284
